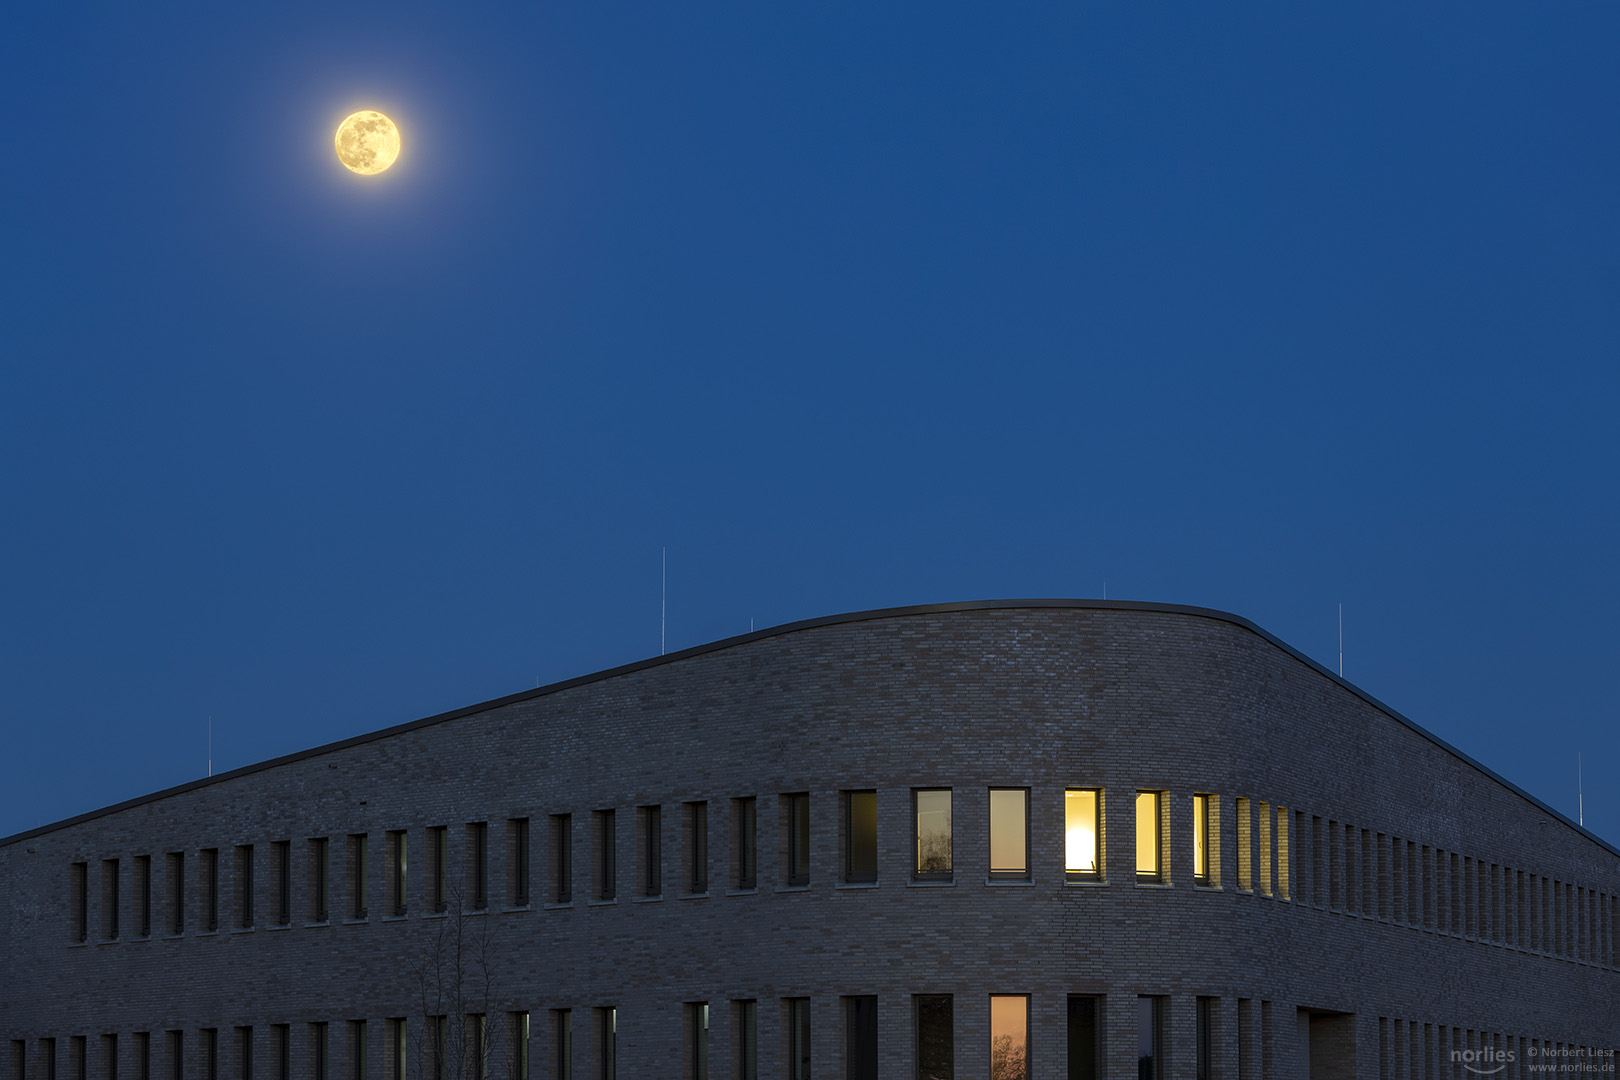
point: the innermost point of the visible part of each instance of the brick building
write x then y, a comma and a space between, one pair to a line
1019, 838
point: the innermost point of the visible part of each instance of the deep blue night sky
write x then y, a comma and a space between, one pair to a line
848, 305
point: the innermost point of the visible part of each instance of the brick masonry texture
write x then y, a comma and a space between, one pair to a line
1429, 905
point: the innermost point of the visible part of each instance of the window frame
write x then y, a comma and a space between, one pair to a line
562, 858
745, 809
697, 847
1025, 998
1158, 875
852, 844
1100, 862
1202, 866
651, 820
796, 821
1018, 875
607, 855
917, 872
917, 1035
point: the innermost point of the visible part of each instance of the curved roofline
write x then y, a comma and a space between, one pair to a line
794, 627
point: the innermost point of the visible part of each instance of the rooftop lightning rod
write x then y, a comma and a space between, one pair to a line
663, 600
1580, 790
1341, 641
210, 744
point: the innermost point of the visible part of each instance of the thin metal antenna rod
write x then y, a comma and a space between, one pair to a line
663, 601
1580, 790
210, 744
1105, 588
1341, 641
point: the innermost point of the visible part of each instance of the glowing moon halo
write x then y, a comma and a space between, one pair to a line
367, 142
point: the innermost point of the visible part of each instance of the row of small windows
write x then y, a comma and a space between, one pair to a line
431, 1047
1227, 1036
1337, 867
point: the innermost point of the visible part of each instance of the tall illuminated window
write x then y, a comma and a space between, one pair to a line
1149, 864
1009, 833
1082, 853
1201, 839
933, 810
1009, 1036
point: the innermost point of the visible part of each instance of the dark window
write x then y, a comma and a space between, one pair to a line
244, 886
747, 843
398, 853
1085, 1038
209, 869
19, 1058
396, 1048
798, 838
562, 1026
283, 851
357, 1050
747, 1040
860, 1024
177, 892
652, 841
283, 1051
47, 1058
143, 1055
210, 1053
562, 857
438, 1046
936, 1037
244, 1053
478, 856
109, 1056
438, 843
143, 895
79, 899
1204, 1038
80, 1058
317, 1040
608, 1043
318, 889
517, 832
931, 809
359, 899
697, 847
607, 865
798, 1025
109, 899
860, 836
1150, 1038
477, 1034
697, 1040
177, 1054
518, 1027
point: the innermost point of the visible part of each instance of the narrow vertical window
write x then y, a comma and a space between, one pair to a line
244, 1053
1150, 1038
283, 1039
1245, 849
109, 1057
936, 1037
318, 1050
438, 1032
244, 886
1082, 852
478, 868
109, 899
747, 862
562, 1044
1201, 839
1204, 1038
143, 1055
697, 847
860, 836
1149, 864
607, 865
177, 1054
359, 895
607, 1021
398, 892
1009, 833
518, 1026
747, 1033
517, 832
283, 868
397, 1041
798, 1025
143, 895
1085, 1037
797, 818
861, 1038
357, 1050
477, 1035
209, 869
79, 899
210, 1053
319, 890
79, 1062
562, 858
652, 850
438, 871
1009, 1036
47, 1058
697, 1040
177, 892
932, 809
19, 1059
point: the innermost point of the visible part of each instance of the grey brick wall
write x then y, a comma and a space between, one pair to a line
1114, 696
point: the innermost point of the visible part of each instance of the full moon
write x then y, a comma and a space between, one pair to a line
367, 142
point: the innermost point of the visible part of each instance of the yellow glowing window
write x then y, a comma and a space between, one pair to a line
1009, 832
1201, 839
1081, 856
1147, 835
